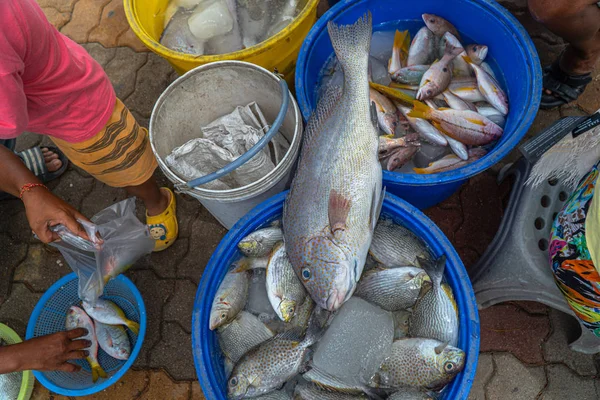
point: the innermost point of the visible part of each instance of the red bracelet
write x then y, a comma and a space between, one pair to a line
28, 186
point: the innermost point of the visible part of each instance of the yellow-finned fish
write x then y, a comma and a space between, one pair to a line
451, 162
490, 88
328, 218
477, 52
438, 76
422, 48
465, 126
230, 299
284, 290
386, 112
77, 318
260, 242
399, 51
107, 312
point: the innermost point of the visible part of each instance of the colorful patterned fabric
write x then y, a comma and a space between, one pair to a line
571, 263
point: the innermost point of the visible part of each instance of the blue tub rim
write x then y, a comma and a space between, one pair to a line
252, 221
534, 71
106, 383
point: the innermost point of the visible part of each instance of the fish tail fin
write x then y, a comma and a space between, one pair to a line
243, 265
134, 327
420, 110
421, 171
395, 62
405, 47
97, 371
434, 268
352, 44
468, 59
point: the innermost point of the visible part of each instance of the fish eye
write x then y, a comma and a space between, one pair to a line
445, 69
449, 366
223, 316
429, 92
432, 20
474, 48
233, 382
305, 274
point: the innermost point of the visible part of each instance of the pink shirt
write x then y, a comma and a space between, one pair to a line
48, 83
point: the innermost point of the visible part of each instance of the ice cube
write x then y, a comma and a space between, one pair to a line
381, 45
356, 342
429, 153
379, 72
258, 302
211, 20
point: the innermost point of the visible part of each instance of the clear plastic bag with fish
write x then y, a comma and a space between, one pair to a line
124, 240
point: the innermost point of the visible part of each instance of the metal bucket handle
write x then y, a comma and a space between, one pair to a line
238, 162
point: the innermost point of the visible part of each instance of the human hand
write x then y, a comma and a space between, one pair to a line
45, 210
46, 353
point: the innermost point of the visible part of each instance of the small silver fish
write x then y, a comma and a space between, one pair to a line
397, 158
285, 291
425, 129
439, 26
245, 264
438, 76
107, 312
230, 299
77, 318
269, 365
465, 126
303, 314
393, 244
477, 52
240, 335
466, 89
420, 363
490, 88
401, 324
460, 149
392, 289
387, 145
422, 48
411, 75
459, 66
386, 112
451, 162
113, 340
456, 103
434, 315
260, 243
312, 392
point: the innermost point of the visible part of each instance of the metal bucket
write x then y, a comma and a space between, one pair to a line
207, 93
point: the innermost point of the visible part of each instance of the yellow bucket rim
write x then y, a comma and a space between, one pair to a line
28, 379
158, 48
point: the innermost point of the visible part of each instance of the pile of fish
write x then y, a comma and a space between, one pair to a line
204, 27
105, 323
439, 105
395, 338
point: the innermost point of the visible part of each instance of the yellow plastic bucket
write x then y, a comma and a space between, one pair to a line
146, 18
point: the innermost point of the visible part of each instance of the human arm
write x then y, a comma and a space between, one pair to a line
45, 353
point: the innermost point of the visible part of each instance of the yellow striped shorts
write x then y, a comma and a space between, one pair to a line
119, 155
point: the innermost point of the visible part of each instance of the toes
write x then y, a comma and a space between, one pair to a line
50, 156
54, 165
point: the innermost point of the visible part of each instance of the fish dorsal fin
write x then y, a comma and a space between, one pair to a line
327, 103
441, 347
339, 207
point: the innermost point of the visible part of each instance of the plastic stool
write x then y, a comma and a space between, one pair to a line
515, 266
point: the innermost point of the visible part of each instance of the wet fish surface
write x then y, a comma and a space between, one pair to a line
113, 340
230, 299
77, 318
395, 245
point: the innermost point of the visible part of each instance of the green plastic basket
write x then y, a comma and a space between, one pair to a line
11, 337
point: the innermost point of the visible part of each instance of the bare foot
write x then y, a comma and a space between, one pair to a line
51, 159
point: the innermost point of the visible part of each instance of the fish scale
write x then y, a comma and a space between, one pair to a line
285, 291
243, 333
341, 139
392, 289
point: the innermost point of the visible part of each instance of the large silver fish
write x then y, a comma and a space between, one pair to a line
395, 245
240, 335
421, 363
434, 315
285, 291
328, 218
268, 366
392, 289
230, 299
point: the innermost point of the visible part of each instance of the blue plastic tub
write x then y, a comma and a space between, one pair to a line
511, 54
49, 317
205, 347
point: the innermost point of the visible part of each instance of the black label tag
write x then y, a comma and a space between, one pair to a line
535, 147
590, 123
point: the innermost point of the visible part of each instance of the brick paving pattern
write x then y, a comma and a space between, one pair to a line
524, 345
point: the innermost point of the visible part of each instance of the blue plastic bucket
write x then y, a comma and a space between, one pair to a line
207, 355
49, 317
512, 55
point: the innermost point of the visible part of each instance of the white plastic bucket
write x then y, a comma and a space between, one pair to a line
207, 93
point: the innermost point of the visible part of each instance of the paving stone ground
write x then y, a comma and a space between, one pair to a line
524, 345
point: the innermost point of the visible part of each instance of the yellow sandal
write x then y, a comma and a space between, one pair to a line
163, 227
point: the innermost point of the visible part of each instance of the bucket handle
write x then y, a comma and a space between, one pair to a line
238, 162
